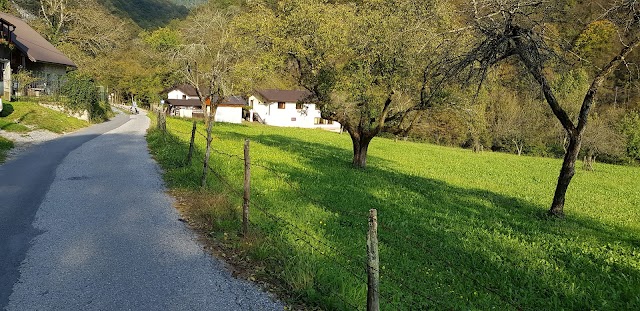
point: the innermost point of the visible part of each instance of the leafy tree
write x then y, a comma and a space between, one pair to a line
520, 29
162, 39
365, 65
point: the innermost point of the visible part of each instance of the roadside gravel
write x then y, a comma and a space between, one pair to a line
23, 141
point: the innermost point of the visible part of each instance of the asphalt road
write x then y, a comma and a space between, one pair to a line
98, 232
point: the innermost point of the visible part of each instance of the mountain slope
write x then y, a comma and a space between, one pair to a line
189, 3
147, 13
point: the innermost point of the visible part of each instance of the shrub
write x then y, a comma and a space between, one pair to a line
631, 130
82, 94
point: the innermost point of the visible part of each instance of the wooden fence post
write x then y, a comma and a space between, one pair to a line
207, 155
373, 263
162, 121
192, 143
247, 189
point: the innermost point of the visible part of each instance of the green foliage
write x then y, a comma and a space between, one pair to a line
161, 39
463, 232
631, 130
5, 6
597, 41
24, 78
82, 95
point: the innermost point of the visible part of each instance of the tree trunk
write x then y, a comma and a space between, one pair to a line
566, 174
589, 159
360, 149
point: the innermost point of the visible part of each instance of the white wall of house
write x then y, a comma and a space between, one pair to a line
223, 114
177, 94
229, 114
185, 112
290, 114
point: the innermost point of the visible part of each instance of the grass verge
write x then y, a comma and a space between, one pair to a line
458, 230
25, 116
5, 145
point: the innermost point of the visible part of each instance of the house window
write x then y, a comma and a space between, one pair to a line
184, 96
299, 106
317, 121
281, 105
293, 119
329, 122
252, 103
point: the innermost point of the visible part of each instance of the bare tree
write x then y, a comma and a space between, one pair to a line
520, 29
208, 56
56, 15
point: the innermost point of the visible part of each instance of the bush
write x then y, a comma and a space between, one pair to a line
82, 95
631, 130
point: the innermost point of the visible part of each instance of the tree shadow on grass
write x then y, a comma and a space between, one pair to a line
7, 110
448, 247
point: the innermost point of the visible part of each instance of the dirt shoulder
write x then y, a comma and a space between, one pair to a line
23, 141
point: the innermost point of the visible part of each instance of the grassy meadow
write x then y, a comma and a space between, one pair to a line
457, 230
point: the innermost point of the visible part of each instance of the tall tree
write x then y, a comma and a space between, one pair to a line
523, 29
208, 55
365, 65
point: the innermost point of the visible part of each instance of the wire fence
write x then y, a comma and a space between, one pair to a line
408, 297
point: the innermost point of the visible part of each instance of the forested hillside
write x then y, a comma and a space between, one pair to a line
189, 3
147, 13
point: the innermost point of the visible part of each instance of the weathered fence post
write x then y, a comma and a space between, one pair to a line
207, 154
373, 263
192, 143
162, 121
247, 189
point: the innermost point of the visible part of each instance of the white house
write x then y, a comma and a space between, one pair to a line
183, 101
183, 91
287, 108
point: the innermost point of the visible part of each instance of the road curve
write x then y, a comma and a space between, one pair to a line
110, 239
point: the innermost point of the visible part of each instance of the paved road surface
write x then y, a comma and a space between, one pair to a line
108, 238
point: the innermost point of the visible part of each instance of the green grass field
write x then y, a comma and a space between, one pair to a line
22, 116
457, 230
